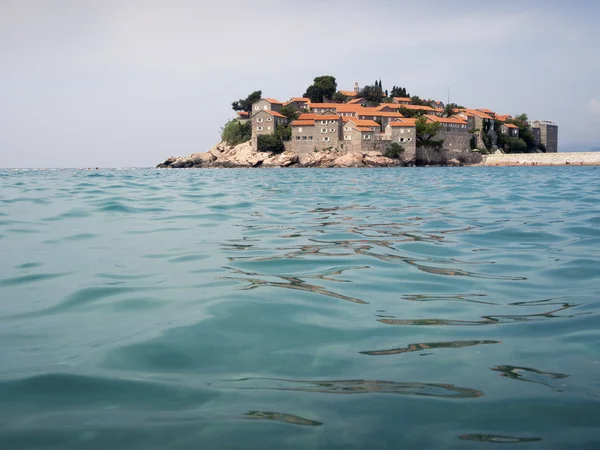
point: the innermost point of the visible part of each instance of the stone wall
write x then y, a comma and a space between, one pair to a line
455, 139
544, 159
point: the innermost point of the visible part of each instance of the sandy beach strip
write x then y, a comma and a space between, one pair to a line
544, 159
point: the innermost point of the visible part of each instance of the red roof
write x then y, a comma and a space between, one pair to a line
243, 113
324, 105
349, 93
327, 117
274, 113
364, 129
402, 99
403, 123
299, 99
511, 125
307, 116
360, 122
272, 100
356, 100
446, 119
305, 123
418, 107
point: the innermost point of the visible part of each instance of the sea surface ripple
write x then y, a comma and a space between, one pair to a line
440, 308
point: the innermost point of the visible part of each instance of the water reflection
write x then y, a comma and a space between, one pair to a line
280, 417
356, 387
498, 439
530, 375
427, 346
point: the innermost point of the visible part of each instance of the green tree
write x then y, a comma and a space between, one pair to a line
416, 100
426, 132
269, 143
515, 145
410, 113
542, 147
372, 93
449, 109
338, 97
235, 132
283, 132
290, 112
323, 87
525, 132
245, 104
393, 150
398, 91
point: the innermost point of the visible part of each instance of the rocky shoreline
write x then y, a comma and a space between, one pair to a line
246, 156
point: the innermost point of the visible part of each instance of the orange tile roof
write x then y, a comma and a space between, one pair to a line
417, 107
364, 129
403, 123
349, 93
402, 99
303, 123
243, 113
502, 118
446, 119
307, 116
487, 111
324, 105
327, 117
474, 112
438, 109
361, 122
511, 125
272, 100
386, 105
299, 99
356, 100
374, 112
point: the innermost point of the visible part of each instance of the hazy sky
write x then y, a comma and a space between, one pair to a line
130, 82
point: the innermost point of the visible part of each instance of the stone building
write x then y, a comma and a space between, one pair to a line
265, 122
315, 132
510, 130
404, 132
547, 134
480, 121
265, 104
453, 132
298, 103
402, 100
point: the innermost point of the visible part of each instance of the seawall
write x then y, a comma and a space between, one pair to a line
544, 159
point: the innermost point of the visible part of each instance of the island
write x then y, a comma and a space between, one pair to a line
368, 127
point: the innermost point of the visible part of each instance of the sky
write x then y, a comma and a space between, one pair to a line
127, 83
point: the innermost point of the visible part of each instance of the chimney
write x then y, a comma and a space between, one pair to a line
356, 87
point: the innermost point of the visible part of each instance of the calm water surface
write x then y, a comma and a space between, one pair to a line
300, 309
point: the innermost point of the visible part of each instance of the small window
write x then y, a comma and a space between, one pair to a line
409, 139
401, 139
310, 138
402, 130
326, 139
297, 138
303, 138
367, 137
300, 130
332, 130
259, 128
323, 122
256, 108
269, 119
268, 128
323, 130
265, 107
346, 128
332, 121
259, 120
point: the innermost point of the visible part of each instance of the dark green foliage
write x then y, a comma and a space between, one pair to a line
283, 133
542, 147
290, 112
487, 140
426, 132
323, 87
269, 143
235, 132
372, 93
338, 97
398, 91
393, 150
515, 145
415, 100
525, 132
448, 109
245, 104
473, 142
410, 113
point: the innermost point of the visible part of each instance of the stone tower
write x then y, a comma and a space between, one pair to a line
356, 89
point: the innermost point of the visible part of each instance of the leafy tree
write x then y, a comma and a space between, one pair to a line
542, 147
283, 132
398, 91
525, 132
323, 87
338, 97
372, 93
426, 132
393, 150
269, 143
245, 104
410, 112
416, 100
515, 145
290, 112
449, 109
235, 132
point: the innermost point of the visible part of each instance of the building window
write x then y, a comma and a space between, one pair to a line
265, 107
297, 138
303, 138
268, 128
402, 130
269, 119
323, 130
346, 128
332, 130
300, 130
332, 121
259, 120
256, 108
366, 137
323, 122
409, 139
310, 138
401, 139
259, 128
347, 138
326, 139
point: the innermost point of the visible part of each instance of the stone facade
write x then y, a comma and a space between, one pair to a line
266, 104
324, 131
405, 134
265, 122
547, 134
510, 130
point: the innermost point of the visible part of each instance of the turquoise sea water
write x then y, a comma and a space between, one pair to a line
441, 308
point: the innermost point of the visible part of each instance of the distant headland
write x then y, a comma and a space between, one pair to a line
367, 127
